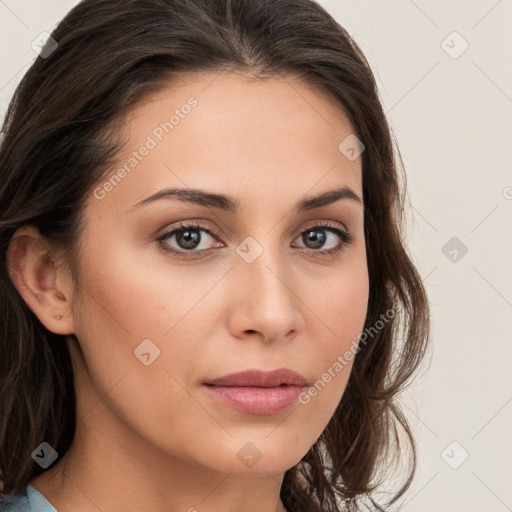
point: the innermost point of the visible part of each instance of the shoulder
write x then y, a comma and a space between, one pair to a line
30, 501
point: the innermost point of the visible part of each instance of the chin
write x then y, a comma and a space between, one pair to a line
257, 454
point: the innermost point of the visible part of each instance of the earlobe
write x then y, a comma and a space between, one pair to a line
35, 274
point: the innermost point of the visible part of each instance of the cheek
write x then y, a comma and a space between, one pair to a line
338, 320
131, 308
338, 301
132, 298
123, 304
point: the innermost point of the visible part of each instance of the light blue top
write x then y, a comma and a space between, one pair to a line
31, 501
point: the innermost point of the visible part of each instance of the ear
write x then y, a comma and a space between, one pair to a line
44, 284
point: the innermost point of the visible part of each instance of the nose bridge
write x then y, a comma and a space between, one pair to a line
263, 274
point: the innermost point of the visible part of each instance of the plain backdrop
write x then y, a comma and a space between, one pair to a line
445, 79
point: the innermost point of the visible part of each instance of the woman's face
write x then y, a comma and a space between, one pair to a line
247, 288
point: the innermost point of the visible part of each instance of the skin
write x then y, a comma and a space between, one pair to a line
149, 437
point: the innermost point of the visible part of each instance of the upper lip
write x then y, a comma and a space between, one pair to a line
260, 378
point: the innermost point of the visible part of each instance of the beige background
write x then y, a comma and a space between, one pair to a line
451, 113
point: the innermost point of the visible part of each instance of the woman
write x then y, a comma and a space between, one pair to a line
207, 300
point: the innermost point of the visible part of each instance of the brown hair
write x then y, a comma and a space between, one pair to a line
58, 142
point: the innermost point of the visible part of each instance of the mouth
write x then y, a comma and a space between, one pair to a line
257, 391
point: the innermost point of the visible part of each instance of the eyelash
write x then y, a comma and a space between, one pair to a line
345, 236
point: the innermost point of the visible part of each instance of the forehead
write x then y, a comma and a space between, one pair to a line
232, 133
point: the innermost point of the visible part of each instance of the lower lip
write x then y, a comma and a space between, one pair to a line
256, 400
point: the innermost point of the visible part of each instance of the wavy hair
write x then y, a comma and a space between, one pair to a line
58, 140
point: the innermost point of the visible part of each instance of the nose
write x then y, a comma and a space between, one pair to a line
264, 303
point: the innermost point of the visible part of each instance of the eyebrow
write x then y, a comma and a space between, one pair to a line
230, 204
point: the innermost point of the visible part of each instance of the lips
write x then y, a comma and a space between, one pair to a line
257, 391
260, 378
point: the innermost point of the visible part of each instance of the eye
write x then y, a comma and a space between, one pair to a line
316, 237
189, 239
